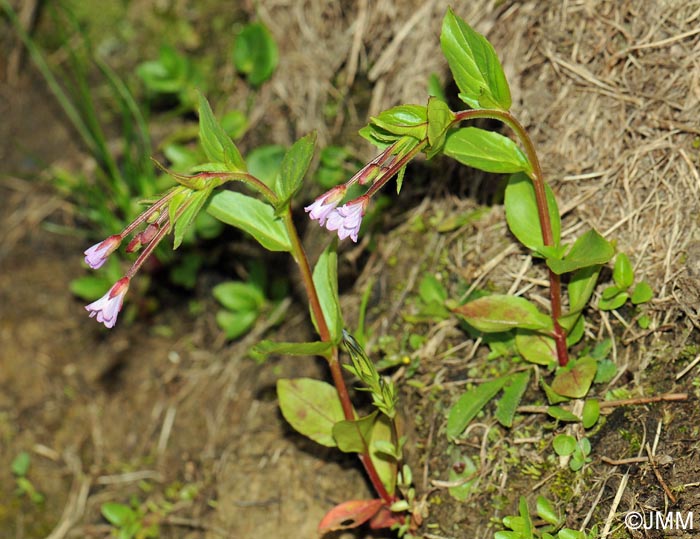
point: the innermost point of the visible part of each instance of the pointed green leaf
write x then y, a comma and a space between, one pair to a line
292, 348
524, 511
354, 436
546, 511
486, 150
411, 120
581, 286
574, 382
501, 312
474, 65
536, 347
440, 117
387, 467
562, 415
252, 216
512, 393
470, 404
521, 212
294, 166
588, 250
194, 204
326, 281
623, 274
217, 145
311, 407
642, 293
552, 396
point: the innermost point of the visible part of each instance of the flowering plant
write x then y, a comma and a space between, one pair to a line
323, 412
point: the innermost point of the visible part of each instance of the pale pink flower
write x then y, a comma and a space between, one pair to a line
325, 204
106, 309
348, 218
96, 255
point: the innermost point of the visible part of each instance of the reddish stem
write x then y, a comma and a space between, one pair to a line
542, 211
333, 363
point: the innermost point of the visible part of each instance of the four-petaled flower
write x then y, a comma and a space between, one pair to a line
348, 218
325, 204
106, 309
96, 255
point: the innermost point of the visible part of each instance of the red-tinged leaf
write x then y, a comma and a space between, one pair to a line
576, 382
498, 312
385, 519
349, 515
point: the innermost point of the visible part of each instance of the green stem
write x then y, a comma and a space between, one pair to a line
302, 261
542, 211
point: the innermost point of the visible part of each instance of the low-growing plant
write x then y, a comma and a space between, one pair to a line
24, 486
324, 412
521, 526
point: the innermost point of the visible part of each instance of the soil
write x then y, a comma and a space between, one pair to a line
162, 413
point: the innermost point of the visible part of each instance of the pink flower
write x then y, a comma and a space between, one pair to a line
348, 218
96, 255
325, 204
106, 309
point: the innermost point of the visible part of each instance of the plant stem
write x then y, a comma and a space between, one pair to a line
542, 211
302, 261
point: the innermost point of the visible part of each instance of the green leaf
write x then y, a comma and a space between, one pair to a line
574, 382
252, 216
581, 287
267, 347
568, 533
590, 249
485, 150
474, 65
264, 162
236, 324
411, 120
606, 371
293, 168
239, 296
354, 436
552, 396
512, 393
591, 413
536, 347
217, 145
387, 467
614, 302
521, 212
311, 407
501, 312
255, 53
546, 511
326, 281
642, 293
564, 444
194, 203
562, 415
90, 287
470, 404
20, 464
432, 290
440, 117
117, 514
623, 274
234, 123
524, 511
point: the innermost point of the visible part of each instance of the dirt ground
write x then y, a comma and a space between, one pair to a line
162, 412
